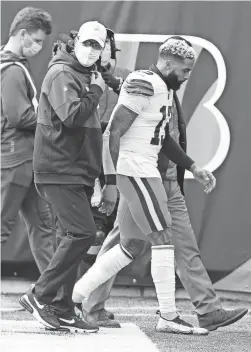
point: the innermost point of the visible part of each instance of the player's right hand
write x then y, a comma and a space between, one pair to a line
108, 199
97, 79
112, 81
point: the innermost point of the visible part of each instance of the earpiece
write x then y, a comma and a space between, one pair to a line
111, 36
68, 39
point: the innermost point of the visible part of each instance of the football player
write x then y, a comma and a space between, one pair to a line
134, 136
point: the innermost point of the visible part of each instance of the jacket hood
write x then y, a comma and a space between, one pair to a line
63, 57
8, 56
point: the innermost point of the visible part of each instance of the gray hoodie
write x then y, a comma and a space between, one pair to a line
18, 117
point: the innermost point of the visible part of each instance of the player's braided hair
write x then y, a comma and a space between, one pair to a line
177, 46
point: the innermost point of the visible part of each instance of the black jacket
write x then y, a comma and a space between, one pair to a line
182, 142
163, 161
68, 140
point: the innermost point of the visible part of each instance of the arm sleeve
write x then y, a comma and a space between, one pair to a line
16, 105
175, 153
64, 98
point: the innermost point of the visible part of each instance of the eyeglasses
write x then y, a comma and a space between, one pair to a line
93, 44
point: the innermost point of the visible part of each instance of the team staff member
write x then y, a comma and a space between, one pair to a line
114, 77
27, 34
67, 160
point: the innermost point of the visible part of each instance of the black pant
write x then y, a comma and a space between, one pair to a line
71, 205
19, 196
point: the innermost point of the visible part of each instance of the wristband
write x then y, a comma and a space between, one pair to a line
110, 179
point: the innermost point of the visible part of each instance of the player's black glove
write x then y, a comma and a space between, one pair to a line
112, 81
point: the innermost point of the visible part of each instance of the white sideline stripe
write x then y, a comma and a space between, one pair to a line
11, 309
141, 308
149, 204
132, 308
145, 315
29, 335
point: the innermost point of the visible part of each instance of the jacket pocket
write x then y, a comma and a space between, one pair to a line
21, 175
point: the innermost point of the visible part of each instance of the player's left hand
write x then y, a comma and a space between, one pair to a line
205, 177
96, 197
108, 199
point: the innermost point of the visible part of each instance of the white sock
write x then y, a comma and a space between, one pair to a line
163, 274
106, 266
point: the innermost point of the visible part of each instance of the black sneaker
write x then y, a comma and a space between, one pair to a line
76, 324
100, 319
109, 314
44, 313
220, 317
79, 306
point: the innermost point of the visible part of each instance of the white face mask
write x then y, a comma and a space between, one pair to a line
87, 56
106, 54
33, 49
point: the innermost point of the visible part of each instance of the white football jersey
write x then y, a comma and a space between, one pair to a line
145, 93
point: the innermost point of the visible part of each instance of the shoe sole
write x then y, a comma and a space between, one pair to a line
57, 329
228, 322
200, 333
25, 302
109, 326
67, 329
174, 331
73, 329
183, 332
190, 332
